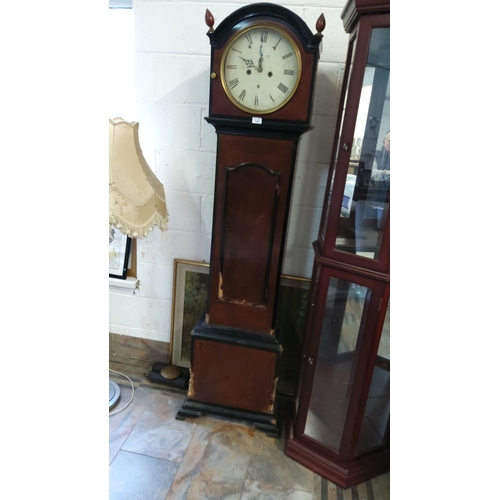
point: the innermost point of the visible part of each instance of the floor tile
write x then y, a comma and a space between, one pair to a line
362, 492
272, 474
120, 427
138, 477
381, 487
373, 489
256, 491
157, 433
215, 462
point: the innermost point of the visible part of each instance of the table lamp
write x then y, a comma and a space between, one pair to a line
136, 196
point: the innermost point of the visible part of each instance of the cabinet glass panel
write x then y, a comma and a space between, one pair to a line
366, 192
346, 304
376, 414
384, 346
324, 222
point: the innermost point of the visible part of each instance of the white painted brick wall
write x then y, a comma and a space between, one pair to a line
172, 82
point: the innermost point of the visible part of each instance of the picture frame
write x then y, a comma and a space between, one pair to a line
189, 298
119, 251
293, 297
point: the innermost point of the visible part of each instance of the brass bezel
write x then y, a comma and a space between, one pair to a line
270, 26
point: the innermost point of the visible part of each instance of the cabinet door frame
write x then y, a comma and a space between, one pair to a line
351, 94
365, 357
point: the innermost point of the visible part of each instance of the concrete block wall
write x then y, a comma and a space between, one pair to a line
172, 82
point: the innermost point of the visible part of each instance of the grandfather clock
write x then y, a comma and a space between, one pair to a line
263, 67
339, 423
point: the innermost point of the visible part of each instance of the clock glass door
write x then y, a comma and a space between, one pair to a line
365, 200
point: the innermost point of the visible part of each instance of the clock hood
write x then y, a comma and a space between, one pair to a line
267, 11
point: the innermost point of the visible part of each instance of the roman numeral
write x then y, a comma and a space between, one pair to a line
283, 88
288, 55
242, 95
231, 66
256, 101
263, 36
249, 38
236, 50
233, 83
271, 97
289, 72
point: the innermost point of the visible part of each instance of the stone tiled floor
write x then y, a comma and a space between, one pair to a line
153, 456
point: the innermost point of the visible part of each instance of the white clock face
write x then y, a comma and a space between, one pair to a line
260, 70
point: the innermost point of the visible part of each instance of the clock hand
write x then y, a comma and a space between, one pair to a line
249, 63
261, 58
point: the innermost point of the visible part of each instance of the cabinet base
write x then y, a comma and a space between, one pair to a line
333, 469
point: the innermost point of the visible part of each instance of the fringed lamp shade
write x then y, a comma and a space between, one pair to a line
136, 196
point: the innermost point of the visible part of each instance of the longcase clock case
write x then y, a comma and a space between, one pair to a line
234, 350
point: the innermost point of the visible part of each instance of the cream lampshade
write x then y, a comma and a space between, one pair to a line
136, 196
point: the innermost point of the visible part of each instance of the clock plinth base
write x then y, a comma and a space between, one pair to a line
233, 375
265, 423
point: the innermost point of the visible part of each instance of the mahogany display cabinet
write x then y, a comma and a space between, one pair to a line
338, 424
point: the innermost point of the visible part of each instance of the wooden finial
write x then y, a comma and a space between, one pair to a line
209, 19
320, 24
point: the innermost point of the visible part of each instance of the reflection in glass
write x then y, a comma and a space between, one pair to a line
352, 50
384, 346
334, 371
376, 415
366, 193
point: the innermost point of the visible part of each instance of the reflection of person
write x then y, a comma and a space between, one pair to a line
376, 198
381, 170
111, 235
371, 213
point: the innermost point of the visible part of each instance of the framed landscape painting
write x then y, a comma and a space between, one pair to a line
189, 299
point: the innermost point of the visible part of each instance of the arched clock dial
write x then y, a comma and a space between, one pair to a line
260, 69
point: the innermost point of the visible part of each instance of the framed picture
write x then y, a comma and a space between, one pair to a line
119, 250
289, 327
189, 300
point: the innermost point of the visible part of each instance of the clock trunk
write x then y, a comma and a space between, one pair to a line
252, 191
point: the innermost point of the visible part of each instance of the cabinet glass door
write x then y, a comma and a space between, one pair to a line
345, 328
341, 331
375, 425
366, 192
